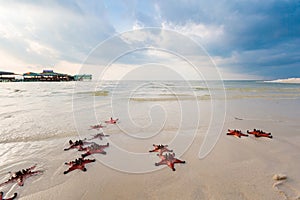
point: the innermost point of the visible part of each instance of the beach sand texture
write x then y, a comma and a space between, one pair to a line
236, 168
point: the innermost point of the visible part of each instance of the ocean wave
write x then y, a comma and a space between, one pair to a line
265, 96
288, 80
264, 90
171, 98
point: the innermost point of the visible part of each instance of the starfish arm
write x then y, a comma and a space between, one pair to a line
264, 135
155, 150
85, 154
171, 165
159, 163
162, 162
178, 161
74, 167
230, 134
88, 161
66, 149
31, 168
34, 173
69, 163
97, 151
13, 197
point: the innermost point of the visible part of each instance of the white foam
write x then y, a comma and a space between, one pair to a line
288, 80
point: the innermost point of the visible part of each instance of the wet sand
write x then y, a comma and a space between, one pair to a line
237, 168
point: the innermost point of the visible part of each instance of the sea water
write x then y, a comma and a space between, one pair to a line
33, 111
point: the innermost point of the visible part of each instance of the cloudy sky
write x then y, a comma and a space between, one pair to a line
245, 39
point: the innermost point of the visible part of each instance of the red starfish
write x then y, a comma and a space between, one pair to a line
21, 175
112, 121
258, 133
160, 148
78, 144
99, 135
168, 159
78, 164
97, 127
11, 198
94, 148
236, 133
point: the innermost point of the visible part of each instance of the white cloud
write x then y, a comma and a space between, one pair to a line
41, 49
207, 33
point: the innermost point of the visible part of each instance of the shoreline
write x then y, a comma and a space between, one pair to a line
235, 169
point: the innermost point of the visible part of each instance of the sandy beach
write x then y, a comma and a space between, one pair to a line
195, 100
236, 168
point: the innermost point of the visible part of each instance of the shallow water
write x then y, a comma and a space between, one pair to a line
38, 119
39, 110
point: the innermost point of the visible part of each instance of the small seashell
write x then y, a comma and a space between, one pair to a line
278, 177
